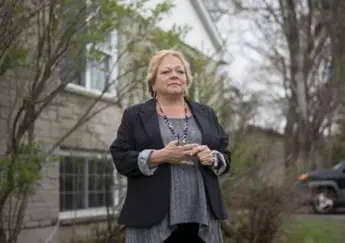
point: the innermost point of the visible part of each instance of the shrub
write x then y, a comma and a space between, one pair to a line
258, 210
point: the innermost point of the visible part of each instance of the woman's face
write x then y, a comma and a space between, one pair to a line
171, 77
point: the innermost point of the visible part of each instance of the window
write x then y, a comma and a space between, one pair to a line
88, 183
101, 71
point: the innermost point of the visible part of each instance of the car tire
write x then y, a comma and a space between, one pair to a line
324, 201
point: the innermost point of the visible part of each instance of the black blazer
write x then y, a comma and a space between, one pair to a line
148, 197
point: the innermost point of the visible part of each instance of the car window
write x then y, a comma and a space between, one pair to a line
337, 166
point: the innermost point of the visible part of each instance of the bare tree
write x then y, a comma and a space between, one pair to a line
336, 30
296, 42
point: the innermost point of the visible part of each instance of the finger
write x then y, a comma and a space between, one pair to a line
206, 160
174, 142
188, 150
206, 163
186, 162
187, 153
204, 153
195, 151
198, 149
189, 146
203, 148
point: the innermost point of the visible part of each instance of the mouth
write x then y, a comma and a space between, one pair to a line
174, 84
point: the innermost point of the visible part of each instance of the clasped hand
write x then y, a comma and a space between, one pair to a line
181, 154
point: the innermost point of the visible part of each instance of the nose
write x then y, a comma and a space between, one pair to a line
174, 75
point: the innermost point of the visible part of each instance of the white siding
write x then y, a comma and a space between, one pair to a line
185, 14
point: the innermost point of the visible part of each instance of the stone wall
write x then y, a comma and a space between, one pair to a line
57, 119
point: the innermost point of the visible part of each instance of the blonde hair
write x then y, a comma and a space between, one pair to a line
156, 61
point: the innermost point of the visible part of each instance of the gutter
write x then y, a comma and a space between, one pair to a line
208, 23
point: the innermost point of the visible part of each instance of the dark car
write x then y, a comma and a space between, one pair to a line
325, 189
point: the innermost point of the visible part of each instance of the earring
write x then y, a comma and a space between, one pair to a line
154, 94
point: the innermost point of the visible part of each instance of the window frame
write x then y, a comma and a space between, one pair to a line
109, 48
94, 211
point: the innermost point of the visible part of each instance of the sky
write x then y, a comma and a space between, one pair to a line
245, 68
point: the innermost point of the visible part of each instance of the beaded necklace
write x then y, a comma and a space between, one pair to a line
185, 128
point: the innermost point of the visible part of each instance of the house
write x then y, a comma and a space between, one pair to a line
72, 196
267, 155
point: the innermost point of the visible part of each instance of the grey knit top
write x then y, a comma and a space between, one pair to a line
187, 197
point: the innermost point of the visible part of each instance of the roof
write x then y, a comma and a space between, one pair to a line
208, 22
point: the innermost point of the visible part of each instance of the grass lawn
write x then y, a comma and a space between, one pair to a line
313, 230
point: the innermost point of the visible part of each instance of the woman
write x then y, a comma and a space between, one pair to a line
172, 152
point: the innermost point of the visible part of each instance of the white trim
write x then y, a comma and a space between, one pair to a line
208, 22
83, 154
94, 93
86, 213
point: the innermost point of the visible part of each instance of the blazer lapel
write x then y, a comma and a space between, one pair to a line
201, 117
149, 118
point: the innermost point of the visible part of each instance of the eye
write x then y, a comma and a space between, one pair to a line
165, 72
180, 71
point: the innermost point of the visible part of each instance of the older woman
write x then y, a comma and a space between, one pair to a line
172, 151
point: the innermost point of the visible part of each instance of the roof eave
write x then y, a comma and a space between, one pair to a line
208, 23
